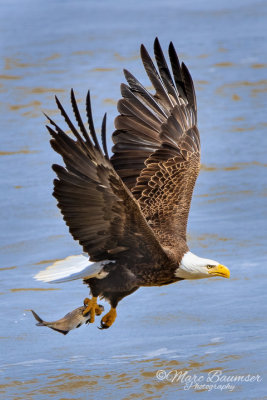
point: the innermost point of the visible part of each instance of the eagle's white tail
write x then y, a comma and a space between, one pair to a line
71, 268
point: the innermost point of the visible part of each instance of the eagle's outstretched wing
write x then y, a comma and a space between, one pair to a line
156, 144
98, 208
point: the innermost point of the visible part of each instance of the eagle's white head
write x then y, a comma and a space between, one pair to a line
194, 267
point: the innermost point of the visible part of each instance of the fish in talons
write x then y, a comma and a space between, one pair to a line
70, 321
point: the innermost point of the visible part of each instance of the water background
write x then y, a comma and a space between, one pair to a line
217, 324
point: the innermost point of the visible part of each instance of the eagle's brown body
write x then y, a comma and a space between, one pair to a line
132, 208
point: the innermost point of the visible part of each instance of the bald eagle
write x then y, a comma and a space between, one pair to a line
129, 212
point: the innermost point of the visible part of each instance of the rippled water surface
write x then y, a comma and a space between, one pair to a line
193, 327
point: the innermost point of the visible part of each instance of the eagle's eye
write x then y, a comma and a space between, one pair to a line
210, 266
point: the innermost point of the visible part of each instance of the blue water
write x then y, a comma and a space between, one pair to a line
193, 327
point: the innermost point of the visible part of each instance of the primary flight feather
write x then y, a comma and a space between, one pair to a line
129, 212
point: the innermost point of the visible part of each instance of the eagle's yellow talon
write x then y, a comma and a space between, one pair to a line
92, 307
109, 318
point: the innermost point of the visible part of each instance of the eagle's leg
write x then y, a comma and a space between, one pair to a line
114, 299
109, 318
92, 307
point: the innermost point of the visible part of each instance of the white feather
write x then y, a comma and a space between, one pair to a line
194, 267
71, 268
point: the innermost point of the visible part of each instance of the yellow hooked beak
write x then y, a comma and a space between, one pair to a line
220, 270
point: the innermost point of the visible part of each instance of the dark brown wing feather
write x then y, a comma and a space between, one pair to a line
156, 144
98, 208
